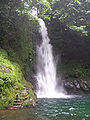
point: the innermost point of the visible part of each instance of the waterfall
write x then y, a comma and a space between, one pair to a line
46, 67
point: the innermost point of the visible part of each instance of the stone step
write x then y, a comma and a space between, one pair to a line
17, 103
23, 95
16, 107
13, 108
23, 98
18, 100
24, 91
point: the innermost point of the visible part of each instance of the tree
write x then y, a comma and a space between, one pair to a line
74, 14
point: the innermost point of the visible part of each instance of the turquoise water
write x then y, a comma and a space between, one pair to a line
52, 109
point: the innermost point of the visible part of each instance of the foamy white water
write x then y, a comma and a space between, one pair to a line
46, 68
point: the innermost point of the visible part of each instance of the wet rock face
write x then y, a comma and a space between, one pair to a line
77, 87
70, 88
30, 75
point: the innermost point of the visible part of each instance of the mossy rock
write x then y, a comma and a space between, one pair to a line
12, 82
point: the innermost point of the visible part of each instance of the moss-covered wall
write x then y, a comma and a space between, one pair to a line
13, 83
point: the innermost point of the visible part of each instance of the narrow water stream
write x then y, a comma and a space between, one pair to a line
52, 109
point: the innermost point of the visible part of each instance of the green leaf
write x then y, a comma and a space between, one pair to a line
1, 82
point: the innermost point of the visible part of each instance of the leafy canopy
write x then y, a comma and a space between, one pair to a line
74, 14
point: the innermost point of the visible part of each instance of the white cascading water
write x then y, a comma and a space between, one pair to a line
46, 67
46, 74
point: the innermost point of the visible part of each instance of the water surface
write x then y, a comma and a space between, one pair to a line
52, 109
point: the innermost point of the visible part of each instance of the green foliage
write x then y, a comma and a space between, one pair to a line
81, 28
11, 10
11, 81
10, 73
18, 41
73, 13
18, 32
75, 71
44, 6
3, 54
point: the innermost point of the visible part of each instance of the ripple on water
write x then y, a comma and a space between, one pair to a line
52, 109
70, 109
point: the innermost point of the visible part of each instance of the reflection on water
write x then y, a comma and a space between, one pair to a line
52, 109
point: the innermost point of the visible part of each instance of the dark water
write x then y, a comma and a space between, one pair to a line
52, 109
